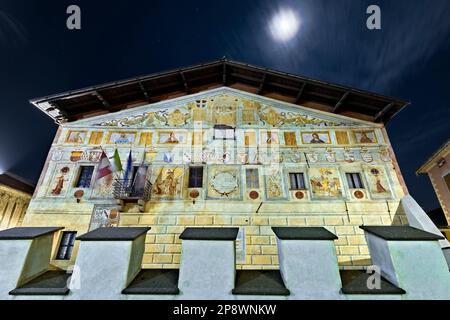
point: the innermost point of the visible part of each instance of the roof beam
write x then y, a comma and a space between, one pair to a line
224, 76
261, 86
383, 111
338, 105
183, 78
300, 92
102, 99
144, 91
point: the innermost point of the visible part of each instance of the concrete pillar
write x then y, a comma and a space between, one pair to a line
411, 259
208, 263
308, 262
108, 260
24, 255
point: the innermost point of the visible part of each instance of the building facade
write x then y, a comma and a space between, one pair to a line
15, 196
438, 170
220, 155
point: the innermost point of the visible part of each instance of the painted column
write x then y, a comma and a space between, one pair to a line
108, 260
208, 263
308, 262
24, 255
411, 259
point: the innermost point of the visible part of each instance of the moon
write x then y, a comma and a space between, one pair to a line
284, 25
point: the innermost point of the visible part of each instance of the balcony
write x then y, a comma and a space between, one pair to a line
129, 191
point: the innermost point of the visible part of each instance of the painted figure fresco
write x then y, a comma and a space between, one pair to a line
76, 136
274, 184
104, 216
378, 183
168, 182
172, 137
60, 181
325, 182
365, 137
316, 137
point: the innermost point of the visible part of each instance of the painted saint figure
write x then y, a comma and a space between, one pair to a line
364, 138
172, 138
316, 139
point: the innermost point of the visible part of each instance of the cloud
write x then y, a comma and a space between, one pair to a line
12, 32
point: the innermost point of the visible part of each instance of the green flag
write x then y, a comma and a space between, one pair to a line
116, 163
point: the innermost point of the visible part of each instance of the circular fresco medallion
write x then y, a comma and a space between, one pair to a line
224, 183
253, 195
299, 195
65, 170
358, 194
194, 194
78, 194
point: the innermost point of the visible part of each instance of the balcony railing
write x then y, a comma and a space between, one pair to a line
127, 190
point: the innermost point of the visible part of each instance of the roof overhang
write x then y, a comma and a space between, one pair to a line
436, 157
115, 96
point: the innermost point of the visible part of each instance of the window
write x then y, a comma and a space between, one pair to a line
290, 139
297, 181
66, 245
252, 178
195, 177
354, 181
85, 177
222, 132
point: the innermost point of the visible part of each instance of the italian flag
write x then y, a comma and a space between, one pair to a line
116, 163
104, 167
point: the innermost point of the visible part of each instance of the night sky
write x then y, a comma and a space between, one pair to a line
408, 59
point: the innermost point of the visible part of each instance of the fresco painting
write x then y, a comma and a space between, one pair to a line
104, 216
316, 137
325, 183
60, 181
168, 182
378, 183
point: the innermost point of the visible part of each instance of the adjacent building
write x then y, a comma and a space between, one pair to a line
438, 169
15, 195
220, 144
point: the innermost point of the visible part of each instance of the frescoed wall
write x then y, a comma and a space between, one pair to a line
254, 151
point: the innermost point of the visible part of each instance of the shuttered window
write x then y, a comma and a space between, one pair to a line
354, 181
297, 180
252, 178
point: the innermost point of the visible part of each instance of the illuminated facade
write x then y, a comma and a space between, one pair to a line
223, 154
